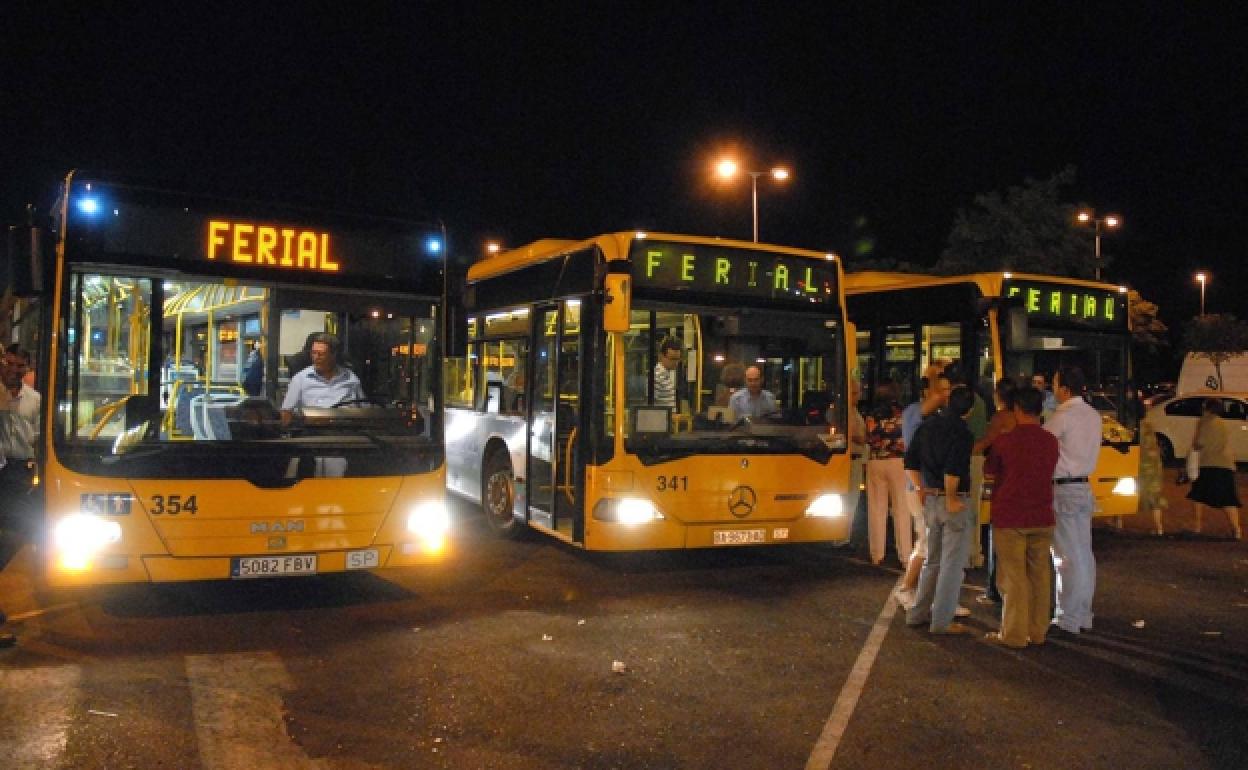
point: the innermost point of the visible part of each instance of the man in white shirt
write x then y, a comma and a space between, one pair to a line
19, 414
324, 383
26, 399
752, 401
1077, 427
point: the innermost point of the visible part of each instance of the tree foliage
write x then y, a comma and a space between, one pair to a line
1217, 337
1027, 228
1147, 330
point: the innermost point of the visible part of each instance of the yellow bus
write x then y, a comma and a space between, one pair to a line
174, 325
1006, 324
562, 418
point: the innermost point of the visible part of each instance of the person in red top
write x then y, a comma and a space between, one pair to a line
1022, 462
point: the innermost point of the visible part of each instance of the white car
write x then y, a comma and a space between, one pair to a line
1175, 422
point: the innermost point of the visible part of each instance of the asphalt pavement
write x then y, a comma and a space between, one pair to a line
531, 654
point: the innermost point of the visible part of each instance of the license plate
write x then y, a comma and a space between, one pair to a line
273, 566
362, 559
739, 536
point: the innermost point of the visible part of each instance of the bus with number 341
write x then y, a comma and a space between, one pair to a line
638, 391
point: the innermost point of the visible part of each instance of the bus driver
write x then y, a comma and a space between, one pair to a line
324, 383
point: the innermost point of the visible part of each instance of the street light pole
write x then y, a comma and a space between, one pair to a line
1109, 222
1097, 237
754, 175
728, 168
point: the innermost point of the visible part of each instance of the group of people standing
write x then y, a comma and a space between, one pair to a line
928, 462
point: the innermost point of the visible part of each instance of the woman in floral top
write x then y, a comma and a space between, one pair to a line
886, 482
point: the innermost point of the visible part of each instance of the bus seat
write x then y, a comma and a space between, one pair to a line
208, 415
182, 409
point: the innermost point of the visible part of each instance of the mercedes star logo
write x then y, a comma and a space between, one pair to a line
741, 501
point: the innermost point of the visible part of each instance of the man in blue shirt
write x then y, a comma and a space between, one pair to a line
753, 401
324, 383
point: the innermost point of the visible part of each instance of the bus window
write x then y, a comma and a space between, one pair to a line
107, 351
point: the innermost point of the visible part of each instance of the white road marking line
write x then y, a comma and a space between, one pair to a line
834, 729
237, 703
38, 709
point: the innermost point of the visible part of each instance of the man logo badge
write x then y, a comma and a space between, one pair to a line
741, 501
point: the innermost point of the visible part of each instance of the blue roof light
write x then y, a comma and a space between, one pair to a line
434, 245
88, 205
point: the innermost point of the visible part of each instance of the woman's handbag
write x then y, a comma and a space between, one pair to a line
1193, 464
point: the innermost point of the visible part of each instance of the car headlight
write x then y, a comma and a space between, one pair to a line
826, 506
431, 523
627, 510
1125, 486
80, 536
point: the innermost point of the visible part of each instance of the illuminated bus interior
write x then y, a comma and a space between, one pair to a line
223, 353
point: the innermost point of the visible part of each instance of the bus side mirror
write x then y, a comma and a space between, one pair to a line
25, 265
617, 302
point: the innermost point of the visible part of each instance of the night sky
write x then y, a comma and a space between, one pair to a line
533, 120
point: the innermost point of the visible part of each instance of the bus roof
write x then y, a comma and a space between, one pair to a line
614, 246
989, 283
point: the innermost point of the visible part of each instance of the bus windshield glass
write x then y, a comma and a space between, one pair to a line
184, 376
733, 381
1103, 359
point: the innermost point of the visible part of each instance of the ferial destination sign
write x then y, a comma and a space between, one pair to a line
726, 270
269, 244
1070, 305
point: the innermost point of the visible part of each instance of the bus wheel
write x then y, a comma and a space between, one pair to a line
498, 496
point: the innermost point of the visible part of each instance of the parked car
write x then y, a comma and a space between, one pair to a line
1175, 422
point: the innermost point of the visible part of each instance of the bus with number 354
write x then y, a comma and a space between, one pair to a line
175, 443
641, 391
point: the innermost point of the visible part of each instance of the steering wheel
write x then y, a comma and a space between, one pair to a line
354, 401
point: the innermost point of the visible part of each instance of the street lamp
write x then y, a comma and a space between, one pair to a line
728, 168
1202, 279
1110, 222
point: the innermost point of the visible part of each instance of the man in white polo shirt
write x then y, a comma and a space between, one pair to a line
1077, 427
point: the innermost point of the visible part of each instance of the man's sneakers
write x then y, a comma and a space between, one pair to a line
961, 612
904, 598
954, 629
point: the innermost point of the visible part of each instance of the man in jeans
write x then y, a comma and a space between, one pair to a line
938, 462
1077, 427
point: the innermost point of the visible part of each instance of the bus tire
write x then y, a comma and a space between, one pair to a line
498, 496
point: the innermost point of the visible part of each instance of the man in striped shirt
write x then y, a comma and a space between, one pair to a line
665, 373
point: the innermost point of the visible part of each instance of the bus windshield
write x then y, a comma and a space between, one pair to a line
1103, 359
733, 381
185, 376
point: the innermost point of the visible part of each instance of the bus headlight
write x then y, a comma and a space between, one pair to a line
430, 522
826, 506
627, 510
80, 536
1125, 486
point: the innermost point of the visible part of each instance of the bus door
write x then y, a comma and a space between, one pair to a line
555, 399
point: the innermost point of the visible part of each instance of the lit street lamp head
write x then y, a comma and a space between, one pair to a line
780, 173
726, 168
